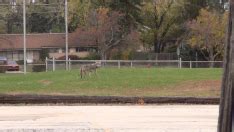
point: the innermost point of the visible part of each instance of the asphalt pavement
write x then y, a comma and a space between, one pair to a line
150, 118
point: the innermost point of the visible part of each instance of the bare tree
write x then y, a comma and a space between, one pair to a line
103, 28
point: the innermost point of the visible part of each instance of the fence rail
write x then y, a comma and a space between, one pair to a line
52, 64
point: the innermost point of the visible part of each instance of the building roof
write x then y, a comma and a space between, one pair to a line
44, 40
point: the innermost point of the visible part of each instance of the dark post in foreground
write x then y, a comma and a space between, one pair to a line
226, 103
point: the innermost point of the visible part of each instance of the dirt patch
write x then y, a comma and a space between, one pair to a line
206, 85
205, 88
45, 82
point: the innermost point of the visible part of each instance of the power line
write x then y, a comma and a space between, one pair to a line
32, 4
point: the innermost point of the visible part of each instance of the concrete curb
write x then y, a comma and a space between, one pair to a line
49, 99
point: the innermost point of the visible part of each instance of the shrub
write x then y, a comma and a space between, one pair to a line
115, 56
3, 69
72, 57
39, 68
43, 54
92, 56
121, 55
125, 55
20, 62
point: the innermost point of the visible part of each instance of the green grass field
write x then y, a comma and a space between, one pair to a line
117, 82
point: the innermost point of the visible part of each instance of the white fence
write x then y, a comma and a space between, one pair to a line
53, 65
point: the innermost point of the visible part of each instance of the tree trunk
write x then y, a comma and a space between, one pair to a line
162, 47
155, 43
103, 56
226, 101
157, 46
212, 59
212, 64
9, 27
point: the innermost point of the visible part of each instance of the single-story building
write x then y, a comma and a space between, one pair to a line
11, 45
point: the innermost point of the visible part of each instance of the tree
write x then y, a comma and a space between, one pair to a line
207, 33
103, 28
10, 18
193, 6
131, 13
45, 19
162, 23
40, 19
130, 10
107, 31
3, 14
78, 13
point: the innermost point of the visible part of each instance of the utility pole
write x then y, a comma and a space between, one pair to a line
66, 28
226, 112
25, 52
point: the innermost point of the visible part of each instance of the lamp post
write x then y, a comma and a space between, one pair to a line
24, 21
66, 28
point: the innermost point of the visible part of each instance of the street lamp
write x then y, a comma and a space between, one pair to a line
25, 52
66, 28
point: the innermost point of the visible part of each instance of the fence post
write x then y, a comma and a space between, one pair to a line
46, 62
119, 64
180, 63
53, 64
191, 66
131, 64
69, 63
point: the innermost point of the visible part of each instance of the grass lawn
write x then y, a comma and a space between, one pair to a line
117, 82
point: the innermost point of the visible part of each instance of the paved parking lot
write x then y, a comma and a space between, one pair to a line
165, 118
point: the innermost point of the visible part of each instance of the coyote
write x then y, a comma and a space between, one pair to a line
88, 69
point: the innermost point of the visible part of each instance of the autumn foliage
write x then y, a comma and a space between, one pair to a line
103, 28
207, 33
